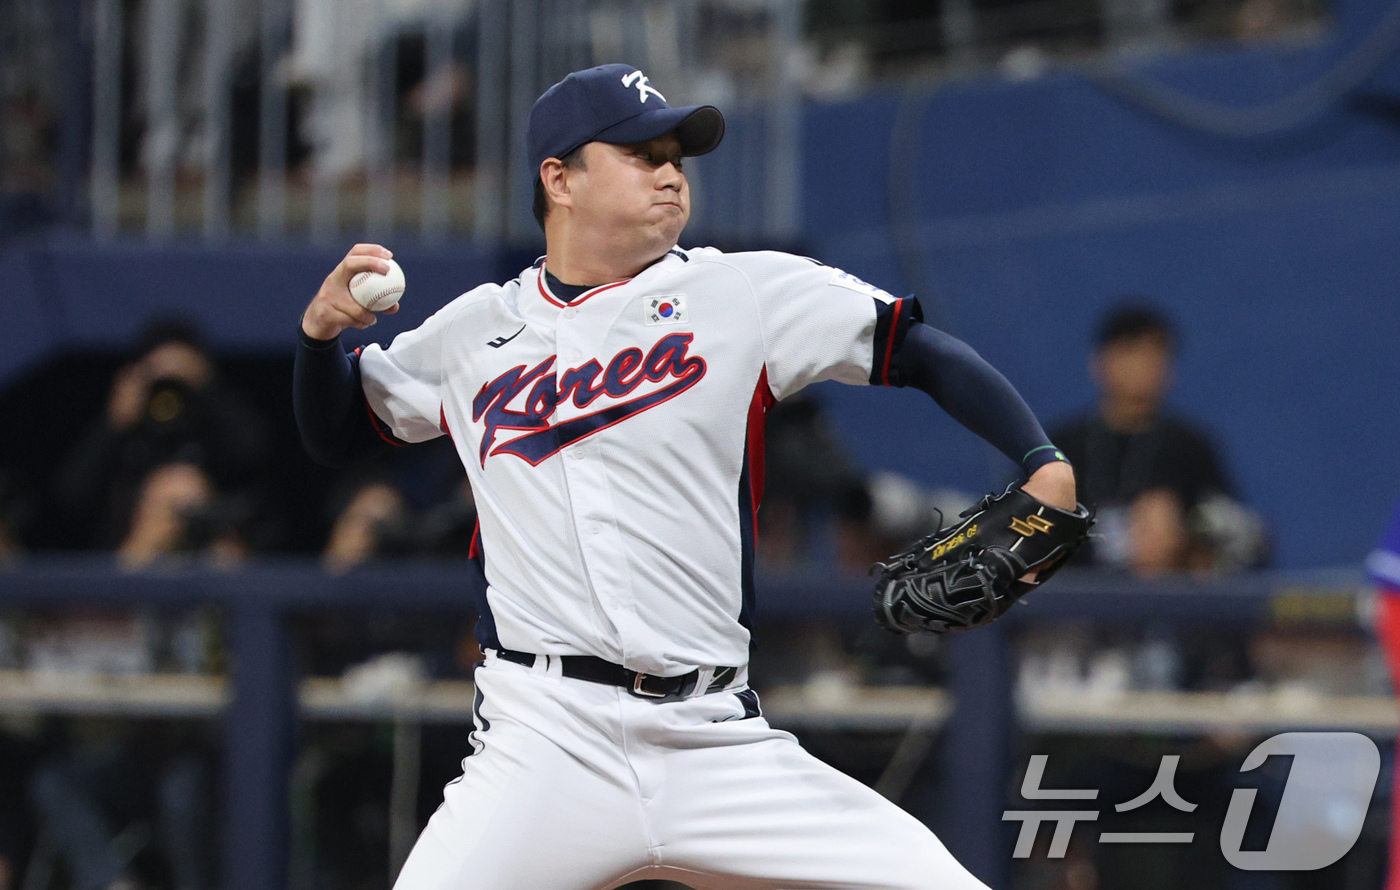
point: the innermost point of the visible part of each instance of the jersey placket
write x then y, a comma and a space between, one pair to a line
580, 335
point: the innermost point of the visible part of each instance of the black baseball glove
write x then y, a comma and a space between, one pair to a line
970, 574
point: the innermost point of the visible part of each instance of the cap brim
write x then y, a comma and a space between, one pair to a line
700, 128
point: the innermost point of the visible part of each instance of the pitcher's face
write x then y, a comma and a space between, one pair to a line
636, 190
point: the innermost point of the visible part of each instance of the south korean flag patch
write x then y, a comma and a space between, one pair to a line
666, 309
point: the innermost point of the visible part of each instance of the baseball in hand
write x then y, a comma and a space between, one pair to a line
378, 292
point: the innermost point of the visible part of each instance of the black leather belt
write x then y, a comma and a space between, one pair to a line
596, 670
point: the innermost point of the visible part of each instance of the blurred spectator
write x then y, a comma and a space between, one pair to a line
30, 95
373, 518
882, 514
27, 144
336, 48
804, 469
175, 513
1164, 503
1261, 19
171, 43
333, 43
1158, 540
373, 512
165, 408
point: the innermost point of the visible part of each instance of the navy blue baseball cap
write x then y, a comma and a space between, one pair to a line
614, 103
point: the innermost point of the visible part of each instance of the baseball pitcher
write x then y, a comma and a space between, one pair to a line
608, 406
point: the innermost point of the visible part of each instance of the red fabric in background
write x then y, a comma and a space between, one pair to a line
1388, 630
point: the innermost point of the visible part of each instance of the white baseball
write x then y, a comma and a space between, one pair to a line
378, 292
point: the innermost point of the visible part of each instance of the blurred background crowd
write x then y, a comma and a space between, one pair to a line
1165, 220
182, 462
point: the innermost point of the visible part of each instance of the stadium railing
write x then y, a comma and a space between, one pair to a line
977, 713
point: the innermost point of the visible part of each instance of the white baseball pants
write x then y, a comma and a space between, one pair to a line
575, 785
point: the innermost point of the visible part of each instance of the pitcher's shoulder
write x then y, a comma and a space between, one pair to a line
752, 262
486, 296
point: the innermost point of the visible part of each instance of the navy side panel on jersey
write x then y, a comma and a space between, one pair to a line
749, 699
751, 494
485, 622
747, 514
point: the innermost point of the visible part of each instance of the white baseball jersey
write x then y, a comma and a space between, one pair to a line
614, 443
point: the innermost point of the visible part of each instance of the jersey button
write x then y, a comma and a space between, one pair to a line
595, 529
570, 312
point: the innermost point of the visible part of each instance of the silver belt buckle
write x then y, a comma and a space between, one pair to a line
639, 691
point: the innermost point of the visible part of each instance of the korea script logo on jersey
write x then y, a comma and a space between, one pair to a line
624, 375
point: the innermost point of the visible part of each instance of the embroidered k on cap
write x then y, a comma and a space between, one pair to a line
614, 103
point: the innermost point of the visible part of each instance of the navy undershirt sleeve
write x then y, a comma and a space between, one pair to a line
972, 392
336, 424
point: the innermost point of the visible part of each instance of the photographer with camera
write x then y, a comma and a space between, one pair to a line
170, 468
173, 442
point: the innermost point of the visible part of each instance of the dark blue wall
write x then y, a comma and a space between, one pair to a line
1017, 211
64, 293
1025, 209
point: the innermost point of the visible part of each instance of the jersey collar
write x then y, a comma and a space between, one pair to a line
545, 292
672, 256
